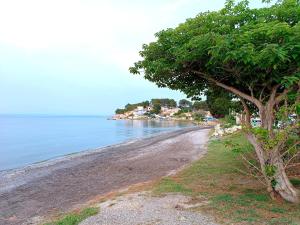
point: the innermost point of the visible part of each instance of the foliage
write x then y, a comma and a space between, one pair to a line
254, 54
120, 111
219, 102
130, 107
229, 120
156, 109
199, 116
200, 105
183, 103
165, 102
239, 46
288, 134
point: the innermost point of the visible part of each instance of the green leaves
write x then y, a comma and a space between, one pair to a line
235, 45
270, 170
297, 109
288, 81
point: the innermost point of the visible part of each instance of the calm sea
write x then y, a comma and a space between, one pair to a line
29, 139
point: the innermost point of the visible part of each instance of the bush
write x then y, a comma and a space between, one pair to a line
156, 109
199, 116
120, 111
229, 121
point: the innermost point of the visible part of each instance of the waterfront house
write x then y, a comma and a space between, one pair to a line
139, 111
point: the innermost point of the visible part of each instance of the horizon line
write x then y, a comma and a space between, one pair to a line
55, 114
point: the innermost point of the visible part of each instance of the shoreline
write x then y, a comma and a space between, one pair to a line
18, 176
63, 158
59, 184
89, 150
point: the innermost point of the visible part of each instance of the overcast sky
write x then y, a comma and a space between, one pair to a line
72, 56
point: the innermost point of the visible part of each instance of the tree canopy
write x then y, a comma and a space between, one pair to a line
200, 105
184, 103
156, 109
130, 107
166, 102
247, 51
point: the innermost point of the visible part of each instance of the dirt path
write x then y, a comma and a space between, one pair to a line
61, 184
144, 209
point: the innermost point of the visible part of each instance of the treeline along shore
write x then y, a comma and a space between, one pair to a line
165, 109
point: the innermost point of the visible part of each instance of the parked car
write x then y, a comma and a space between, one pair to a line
209, 118
256, 122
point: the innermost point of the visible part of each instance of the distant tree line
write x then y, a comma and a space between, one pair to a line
164, 102
130, 107
218, 102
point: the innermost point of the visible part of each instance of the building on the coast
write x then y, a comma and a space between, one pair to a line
139, 111
166, 111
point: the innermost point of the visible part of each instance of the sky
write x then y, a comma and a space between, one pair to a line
71, 57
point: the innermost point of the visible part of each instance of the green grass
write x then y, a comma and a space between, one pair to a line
75, 218
233, 198
295, 182
168, 185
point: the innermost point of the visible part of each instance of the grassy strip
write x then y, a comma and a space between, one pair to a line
75, 218
230, 196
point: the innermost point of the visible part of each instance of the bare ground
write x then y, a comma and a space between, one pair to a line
144, 209
59, 185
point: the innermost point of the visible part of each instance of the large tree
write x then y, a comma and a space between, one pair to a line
251, 53
184, 103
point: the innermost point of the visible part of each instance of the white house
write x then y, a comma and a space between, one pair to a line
139, 111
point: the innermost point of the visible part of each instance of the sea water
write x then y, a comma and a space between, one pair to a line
29, 139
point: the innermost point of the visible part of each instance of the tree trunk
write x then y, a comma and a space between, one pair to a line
261, 158
282, 183
278, 184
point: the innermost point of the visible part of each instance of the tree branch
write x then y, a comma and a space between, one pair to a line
282, 96
250, 174
261, 94
229, 88
251, 90
288, 162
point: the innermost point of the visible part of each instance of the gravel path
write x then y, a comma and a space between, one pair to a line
142, 209
60, 185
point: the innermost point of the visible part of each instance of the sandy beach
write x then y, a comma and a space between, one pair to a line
59, 185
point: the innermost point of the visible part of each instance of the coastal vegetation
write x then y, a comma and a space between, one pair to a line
221, 103
165, 102
75, 218
220, 185
218, 103
165, 109
131, 107
254, 56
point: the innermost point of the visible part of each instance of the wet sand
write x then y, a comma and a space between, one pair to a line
59, 185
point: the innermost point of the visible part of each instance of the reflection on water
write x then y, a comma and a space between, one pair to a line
141, 128
29, 139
